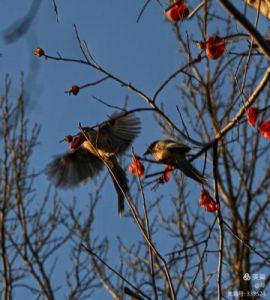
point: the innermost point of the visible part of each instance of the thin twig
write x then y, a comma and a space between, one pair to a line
219, 216
142, 10
114, 271
203, 253
55, 10
266, 260
152, 258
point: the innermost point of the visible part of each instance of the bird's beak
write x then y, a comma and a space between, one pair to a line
146, 152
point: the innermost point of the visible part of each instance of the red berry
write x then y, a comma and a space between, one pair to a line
252, 114
214, 47
264, 128
39, 52
74, 89
166, 175
177, 12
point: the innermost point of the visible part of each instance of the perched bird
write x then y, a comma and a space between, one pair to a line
91, 149
172, 153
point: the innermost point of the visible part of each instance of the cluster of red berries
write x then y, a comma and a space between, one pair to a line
208, 202
136, 166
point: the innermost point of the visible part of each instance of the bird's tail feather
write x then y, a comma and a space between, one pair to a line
120, 183
186, 167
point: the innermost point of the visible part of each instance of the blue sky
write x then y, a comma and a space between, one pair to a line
143, 53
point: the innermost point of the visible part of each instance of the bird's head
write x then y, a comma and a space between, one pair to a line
151, 149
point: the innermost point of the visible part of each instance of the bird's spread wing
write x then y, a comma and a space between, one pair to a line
172, 145
117, 134
73, 168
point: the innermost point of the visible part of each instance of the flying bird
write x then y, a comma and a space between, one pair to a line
173, 153
92, 149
